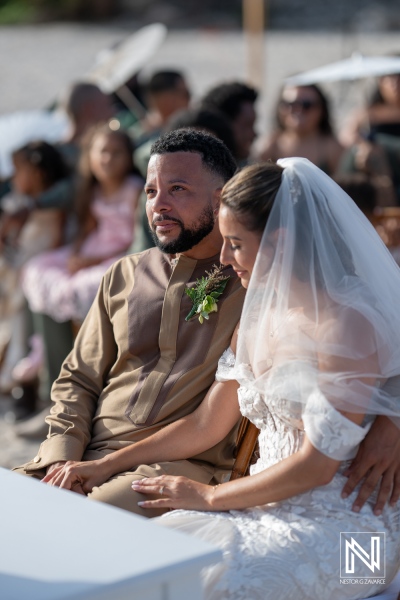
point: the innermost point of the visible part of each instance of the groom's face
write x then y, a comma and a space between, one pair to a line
182, 200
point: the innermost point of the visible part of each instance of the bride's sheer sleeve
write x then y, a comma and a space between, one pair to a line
329, 430
347, 379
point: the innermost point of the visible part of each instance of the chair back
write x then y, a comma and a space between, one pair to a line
246, 444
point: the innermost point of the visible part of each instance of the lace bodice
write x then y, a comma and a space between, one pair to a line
282, 419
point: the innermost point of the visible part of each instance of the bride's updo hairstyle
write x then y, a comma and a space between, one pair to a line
250, 194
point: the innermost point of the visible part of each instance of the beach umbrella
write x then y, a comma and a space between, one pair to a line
356, 67
117, 65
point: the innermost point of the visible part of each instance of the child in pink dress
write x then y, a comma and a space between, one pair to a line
63, 283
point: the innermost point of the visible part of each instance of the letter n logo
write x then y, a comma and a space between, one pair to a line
362, 553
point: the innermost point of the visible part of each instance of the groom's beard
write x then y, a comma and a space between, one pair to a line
188, 238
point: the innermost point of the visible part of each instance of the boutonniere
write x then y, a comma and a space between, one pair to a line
205, 294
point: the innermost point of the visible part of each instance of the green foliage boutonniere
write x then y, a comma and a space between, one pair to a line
205, 294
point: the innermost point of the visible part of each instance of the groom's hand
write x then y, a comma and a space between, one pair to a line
52, 476
377, 462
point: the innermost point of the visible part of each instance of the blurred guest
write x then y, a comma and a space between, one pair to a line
37, 167
61, 285
381, 115
365, 194
237, 102
373, 137
85, 105
303, 128
360, 189
166, 92
204, 119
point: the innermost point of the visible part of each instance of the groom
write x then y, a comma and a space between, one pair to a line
137, 364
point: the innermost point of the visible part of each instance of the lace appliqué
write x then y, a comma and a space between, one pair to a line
226, 366
329, 431
294, 187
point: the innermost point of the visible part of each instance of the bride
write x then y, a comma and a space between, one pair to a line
315, 361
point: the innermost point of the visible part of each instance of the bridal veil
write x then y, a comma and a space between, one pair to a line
324, 299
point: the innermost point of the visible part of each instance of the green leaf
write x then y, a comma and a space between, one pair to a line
192, 313
191, 293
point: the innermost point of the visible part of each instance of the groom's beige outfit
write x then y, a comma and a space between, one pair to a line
137, 365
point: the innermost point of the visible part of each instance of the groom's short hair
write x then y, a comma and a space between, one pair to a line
214, 154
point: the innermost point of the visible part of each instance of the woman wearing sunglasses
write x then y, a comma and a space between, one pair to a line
303, 129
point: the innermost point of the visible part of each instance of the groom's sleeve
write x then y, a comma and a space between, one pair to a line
77, 390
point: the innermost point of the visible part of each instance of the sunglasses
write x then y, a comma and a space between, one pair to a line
299, 104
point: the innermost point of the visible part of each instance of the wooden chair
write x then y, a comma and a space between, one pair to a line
246, 445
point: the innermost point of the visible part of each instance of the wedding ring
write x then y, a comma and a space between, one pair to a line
161, 490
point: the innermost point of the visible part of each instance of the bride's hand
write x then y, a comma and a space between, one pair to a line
175, 492
84, 475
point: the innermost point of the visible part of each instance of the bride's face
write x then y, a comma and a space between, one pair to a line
240, 246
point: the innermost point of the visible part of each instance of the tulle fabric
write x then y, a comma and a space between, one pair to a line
323, 298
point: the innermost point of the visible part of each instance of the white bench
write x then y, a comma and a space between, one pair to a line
57, 545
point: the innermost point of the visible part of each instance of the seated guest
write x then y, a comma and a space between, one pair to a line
62, 284
38, 166
166, 92
386, 221
303, 128
381, 115
237, 102
373, 140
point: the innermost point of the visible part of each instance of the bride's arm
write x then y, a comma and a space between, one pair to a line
300, 472
306, 469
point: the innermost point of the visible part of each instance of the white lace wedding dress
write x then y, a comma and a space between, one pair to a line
290, 549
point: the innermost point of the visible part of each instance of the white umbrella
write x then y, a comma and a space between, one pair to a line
117, 65
356, 67
19, 128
